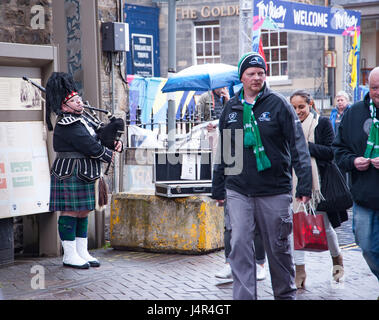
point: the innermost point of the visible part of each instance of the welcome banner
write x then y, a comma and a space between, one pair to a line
293, 16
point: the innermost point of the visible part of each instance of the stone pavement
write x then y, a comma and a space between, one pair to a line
127, 275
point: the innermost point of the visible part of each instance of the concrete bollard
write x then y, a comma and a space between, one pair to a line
192, 225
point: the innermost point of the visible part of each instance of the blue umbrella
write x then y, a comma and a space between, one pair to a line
203, 77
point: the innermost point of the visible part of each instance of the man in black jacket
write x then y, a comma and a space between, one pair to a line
357, 150
260, 138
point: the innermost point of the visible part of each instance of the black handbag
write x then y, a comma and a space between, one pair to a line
335, 191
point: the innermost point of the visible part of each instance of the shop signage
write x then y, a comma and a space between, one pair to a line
183, 13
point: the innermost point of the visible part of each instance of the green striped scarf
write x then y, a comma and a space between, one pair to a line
372, 148
251, 136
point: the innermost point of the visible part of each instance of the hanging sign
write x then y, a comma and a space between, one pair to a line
143, 54
293, 16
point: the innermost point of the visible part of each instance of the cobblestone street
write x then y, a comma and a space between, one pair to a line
127, 275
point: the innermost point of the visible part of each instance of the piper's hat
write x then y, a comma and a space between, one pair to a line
249, 60
59, 89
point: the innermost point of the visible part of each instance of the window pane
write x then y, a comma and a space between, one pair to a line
216, 33
199, 49
217, 60
267, 54
208, 49
199, 34
208, 34
264, 37
275, 55
273, 39
283, 38
283, 54
284, 70
208, 44
216, 49
275, 49
275, 69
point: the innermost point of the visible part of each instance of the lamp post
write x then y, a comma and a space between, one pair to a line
245, 26
171, 114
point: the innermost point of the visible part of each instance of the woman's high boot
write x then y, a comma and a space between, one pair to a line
300, 276
338, 270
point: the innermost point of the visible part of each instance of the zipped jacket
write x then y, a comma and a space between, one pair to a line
350, 143
333, 116
283, 139
77, 146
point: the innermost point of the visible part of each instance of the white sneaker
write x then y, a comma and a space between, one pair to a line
261, 272
225, 273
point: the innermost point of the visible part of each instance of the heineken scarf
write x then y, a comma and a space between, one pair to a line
372, 148
251, 136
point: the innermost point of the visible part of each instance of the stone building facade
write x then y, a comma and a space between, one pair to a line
31, 22
69, 33
304, 51
17, 18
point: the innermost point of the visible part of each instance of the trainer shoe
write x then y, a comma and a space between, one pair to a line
225, 273
261, 272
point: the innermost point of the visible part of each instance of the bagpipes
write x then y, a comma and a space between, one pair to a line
107, 133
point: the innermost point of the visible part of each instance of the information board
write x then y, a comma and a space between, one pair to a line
17, 94
24, 169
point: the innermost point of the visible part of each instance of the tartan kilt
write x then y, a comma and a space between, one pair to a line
71, 194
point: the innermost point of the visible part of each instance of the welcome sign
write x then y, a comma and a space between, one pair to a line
293, 16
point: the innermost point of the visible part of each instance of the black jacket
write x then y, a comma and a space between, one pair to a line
322, 151
283, 139
77, 146
350, 143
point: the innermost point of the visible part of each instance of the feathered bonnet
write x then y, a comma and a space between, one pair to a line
59, 88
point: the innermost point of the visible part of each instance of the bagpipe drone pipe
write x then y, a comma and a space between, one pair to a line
107, 133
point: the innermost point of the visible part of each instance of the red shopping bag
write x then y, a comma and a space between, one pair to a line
309, 231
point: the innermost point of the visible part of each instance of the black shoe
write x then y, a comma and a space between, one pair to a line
84, 266
94, 263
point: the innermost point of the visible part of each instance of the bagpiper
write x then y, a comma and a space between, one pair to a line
77, 167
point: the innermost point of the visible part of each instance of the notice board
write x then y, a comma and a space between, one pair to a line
24, 169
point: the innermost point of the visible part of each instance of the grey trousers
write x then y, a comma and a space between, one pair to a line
272, 215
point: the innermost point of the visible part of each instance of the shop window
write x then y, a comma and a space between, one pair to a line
207, 43
275, 49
